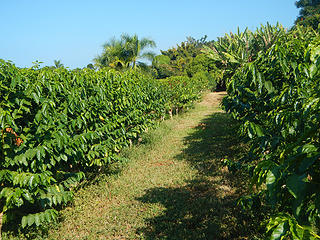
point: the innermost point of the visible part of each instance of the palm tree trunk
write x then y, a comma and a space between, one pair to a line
134, 64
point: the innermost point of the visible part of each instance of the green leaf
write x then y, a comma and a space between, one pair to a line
27, 196
54, 214
259, 130
35, 97
24, 160
42, 217
271, 177
24, 221
59, 198
315, 52
64, 157
31, 182
30, 218
296, 185
268, 85
54, 199
309, 148
250, 131
313, 70
47, 215
279, 231
38, 154
37, 220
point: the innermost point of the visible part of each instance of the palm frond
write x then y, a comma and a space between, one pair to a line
148, 55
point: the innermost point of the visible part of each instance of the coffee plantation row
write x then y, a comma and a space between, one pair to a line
274, 92
57, 125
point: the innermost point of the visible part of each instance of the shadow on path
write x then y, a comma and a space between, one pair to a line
205, 208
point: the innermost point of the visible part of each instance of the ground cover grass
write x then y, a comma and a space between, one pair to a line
174, 186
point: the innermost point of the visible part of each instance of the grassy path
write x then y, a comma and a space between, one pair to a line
173, 187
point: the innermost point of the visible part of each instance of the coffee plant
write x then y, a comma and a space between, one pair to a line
57, 125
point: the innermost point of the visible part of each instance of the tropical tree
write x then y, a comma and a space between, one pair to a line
58, 64
113, 55
125, 52
235, 50
184, 59
309, 13
90, 66
135, 48
183, 54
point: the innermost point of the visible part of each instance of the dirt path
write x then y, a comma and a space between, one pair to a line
174, 186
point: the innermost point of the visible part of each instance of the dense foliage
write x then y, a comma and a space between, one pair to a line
234, 50
309, 14
188, 60
275, 94
56, 125
178, 58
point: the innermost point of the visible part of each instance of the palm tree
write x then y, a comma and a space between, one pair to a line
135, 48
58, 64
125, 52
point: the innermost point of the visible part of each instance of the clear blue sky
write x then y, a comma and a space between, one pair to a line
73, 31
